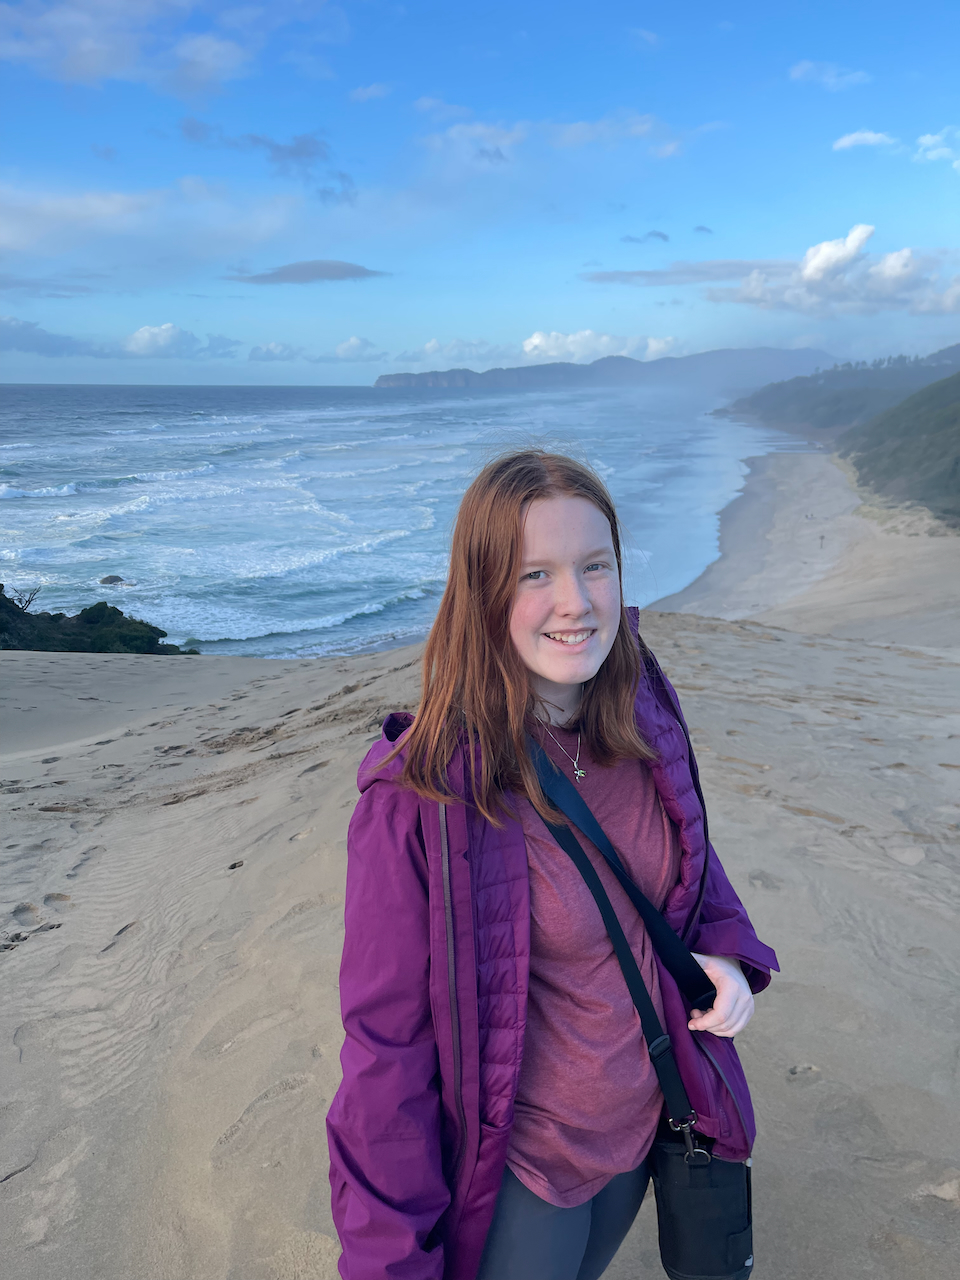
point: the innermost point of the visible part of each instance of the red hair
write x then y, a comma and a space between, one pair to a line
476, 691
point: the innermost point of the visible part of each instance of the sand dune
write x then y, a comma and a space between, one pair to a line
174, 861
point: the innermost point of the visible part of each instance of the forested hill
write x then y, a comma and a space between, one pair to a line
832, 400
913, 450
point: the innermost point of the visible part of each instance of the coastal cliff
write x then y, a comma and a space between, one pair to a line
726, 370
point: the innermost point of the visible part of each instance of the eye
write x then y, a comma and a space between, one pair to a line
594, 566
533, 576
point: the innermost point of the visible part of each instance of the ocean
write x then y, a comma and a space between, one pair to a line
288, 522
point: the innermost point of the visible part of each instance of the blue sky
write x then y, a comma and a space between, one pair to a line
304, 192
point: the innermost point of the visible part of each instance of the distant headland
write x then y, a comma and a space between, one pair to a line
725, 370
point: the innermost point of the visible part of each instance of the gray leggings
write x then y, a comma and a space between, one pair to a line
530, 1239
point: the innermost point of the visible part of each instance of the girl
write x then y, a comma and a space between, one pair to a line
498, 1101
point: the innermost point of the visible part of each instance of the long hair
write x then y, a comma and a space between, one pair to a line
476, 692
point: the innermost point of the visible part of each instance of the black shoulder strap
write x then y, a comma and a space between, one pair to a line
675, 955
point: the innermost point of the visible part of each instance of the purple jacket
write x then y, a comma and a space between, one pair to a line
433, 987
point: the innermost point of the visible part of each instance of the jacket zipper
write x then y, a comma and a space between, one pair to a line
452, 985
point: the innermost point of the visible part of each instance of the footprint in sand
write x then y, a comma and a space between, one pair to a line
87, 856
266, 1104
804, 1073
128, 931
764, 880
907, 857
305, 1253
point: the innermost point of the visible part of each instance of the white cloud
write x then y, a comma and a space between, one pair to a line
28, 217
828, 257
657, 347
644, 38
26, 336
838, 277
149, 341
944, 145
828, 75
619, 126
459, 351
366, 93
678, 273
205, 60
187, 222
358, 349
441, 110
586, 345
863, 138
490, 143
350, 351
468, 145
270, 351
87, 41
182, 45
169, 340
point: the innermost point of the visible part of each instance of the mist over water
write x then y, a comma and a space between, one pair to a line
288, 522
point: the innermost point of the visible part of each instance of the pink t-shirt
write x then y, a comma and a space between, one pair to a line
588, 1102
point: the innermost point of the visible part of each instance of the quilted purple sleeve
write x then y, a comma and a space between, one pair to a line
725, 929
383, 1128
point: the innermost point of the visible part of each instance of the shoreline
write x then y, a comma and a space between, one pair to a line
801, 547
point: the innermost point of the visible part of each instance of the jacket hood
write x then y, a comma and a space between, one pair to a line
395, 726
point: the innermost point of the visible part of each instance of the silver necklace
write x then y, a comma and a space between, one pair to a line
578, 773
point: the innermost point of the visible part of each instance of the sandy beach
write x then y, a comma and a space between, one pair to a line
175, 849
802, 548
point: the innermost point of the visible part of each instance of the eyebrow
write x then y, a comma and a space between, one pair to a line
591, 555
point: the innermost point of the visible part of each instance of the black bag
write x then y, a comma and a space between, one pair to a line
704, 1213
704, 1207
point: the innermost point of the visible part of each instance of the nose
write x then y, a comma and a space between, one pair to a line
572, 600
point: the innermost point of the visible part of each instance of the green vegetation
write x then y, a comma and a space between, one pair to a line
845, 396
913, 451
99, 629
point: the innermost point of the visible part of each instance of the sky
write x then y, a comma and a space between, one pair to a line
316, 193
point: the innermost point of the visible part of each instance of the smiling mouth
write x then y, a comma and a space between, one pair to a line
569, 637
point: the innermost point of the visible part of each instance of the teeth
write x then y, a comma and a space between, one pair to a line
576, 638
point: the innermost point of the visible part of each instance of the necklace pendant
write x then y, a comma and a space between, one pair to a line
578, 774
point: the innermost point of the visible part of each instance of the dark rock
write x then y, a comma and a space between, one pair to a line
111, 580
101, 628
